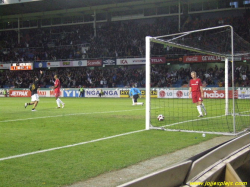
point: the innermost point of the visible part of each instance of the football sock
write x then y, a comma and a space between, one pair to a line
199, 109
203, 107
58, 103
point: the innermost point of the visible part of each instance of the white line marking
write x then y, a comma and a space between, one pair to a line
4, 121
68, 146
191, 121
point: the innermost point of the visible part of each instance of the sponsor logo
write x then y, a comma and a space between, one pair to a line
71, 94
41, 93
124, 61
65, 63
162, 93
179, 93
79, 63
210, 58
158, 60
110, 92
214, 94
192, 59
219, 94
52, 93
53, 64
143, 92
21, 93
106, 92
152, 92
124, 92
109, 61
40, 65
94, 63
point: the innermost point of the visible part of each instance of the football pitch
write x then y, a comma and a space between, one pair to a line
90, 136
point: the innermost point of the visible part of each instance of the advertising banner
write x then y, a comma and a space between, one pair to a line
79, 63
44, 93
243, 94
5, 66
219, 94
179, 94
182, 94
201, 58
65, 64
53, 64
109, 61
2, 92
94, 62
40, 64
125, 93
158, 60
71, 93
176, 60
19, 93
139, 61
52, 93
107, 93
247, 58
236, 58
131, 61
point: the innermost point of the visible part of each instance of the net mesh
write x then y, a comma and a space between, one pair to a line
174, 103
215, 42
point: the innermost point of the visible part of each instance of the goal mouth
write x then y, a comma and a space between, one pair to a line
225, 111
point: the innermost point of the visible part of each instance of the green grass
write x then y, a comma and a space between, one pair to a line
88, 120
181, 114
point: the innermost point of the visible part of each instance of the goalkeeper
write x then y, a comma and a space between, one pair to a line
195, 87
134, 93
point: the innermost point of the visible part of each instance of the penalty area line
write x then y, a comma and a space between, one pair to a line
69, 146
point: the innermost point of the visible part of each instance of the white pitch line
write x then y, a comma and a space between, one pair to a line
68, 146
4, 121
191, 121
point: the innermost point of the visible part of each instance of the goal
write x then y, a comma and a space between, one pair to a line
227, 106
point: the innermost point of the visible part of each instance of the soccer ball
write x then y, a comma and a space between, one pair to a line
160, 117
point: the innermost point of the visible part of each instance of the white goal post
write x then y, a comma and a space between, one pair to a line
170, 41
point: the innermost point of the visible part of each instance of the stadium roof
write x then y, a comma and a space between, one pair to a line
59, 8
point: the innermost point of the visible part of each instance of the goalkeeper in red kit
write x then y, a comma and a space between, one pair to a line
195, 88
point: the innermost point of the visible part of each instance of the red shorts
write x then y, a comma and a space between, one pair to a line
57, 94
196, 96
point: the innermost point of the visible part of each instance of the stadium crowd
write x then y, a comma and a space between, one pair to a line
125, 76
114, 39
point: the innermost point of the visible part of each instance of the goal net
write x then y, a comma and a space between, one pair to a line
225, 99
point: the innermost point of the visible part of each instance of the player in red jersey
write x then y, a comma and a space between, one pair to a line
195, 87
57, 86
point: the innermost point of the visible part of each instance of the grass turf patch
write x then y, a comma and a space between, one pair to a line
94, 129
